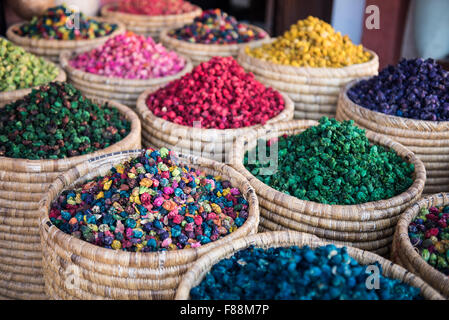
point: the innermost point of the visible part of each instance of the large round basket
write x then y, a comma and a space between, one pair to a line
368, 226
125, 91
10, 96
199, 52
214, 144
405, 254
23, 183
276, 239
51, 48
76, 269
314, 91
429, 140
149, 25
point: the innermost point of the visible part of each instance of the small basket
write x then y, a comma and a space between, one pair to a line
51, 48
429, 140
202, 266
23, 183
102, 273
368, 226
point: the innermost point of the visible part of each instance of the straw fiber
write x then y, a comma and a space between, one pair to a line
291, 238
100, 273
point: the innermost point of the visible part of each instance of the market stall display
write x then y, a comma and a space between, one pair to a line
152, 225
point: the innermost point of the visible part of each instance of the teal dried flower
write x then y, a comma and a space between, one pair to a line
324, 273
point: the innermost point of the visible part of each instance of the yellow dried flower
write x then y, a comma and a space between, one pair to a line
312, 43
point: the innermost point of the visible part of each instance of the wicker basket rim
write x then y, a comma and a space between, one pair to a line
64, 62
378, 139
195, 161
135, 125
13, 36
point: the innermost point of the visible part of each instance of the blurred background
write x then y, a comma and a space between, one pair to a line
408, 28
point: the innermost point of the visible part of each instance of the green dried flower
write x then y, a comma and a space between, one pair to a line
334, 163
20, 69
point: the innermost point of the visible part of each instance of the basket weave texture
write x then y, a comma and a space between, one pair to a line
124, 91
51, 48
314, 91
202, 266
149, 25
368, 226
101, 273
214, 144
406, 255
429, 140
23, 183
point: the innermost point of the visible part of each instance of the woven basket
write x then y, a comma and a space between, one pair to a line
149, 25
407, 256
51, 48
369, 226
23, 183
215, 144
10, 96
314, 90
265, 240
108, 274
429, 140
125, 91
199, 52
